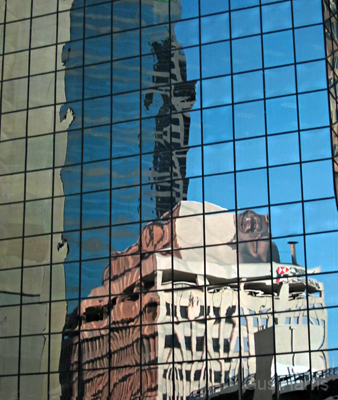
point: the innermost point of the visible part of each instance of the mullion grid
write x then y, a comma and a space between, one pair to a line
110, 385
140, 186
185, 321
145, 185
180, 363
173, 375
299, 235
177, 113
141, 202
79, 370
110, 207
52, 213
276, 386
329, 52
88, 64
240, 388
207, 378
101, 258
302, 199
24, 212
3, 65
102, 2
143, 55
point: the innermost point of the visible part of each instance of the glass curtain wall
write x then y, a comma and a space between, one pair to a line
169, 227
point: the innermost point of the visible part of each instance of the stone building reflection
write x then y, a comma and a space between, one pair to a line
136, 337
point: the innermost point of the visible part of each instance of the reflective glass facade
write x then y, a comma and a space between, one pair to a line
168, 202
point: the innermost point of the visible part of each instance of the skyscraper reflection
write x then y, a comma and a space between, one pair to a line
163, 136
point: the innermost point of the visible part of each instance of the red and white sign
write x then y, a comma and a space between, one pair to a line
281, 280
282, 270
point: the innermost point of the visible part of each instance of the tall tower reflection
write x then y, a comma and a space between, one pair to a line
172, 123
107, 125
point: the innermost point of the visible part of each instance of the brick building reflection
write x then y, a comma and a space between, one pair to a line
135, 337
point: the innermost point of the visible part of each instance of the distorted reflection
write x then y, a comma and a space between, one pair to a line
165, 278
168, 99
181, 149
202, 303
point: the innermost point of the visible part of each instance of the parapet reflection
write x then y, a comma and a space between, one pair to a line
171, 321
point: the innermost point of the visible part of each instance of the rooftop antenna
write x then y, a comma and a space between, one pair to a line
293, 252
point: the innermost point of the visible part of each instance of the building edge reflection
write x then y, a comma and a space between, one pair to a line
331, 38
